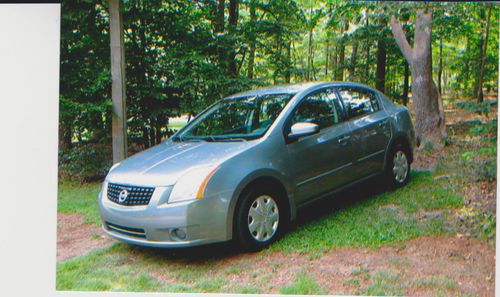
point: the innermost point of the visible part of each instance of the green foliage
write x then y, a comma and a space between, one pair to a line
85, 162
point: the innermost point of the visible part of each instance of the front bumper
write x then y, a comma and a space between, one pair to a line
159, 224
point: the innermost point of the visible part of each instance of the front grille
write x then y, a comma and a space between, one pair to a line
126, 230
130, 195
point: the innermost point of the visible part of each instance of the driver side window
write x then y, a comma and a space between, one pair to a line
318, 108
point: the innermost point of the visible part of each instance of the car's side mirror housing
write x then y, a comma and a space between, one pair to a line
302, 129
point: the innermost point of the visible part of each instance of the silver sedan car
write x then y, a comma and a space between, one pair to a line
244, 166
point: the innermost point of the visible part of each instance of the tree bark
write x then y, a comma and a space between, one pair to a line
352, 66
480, 95
119, 116
339, 74
381, 64
430, 128
368, 43
288, 71
440, 68
406, 83
252, 41
381, 60
233, 23
310, 53
327, 55
219, 17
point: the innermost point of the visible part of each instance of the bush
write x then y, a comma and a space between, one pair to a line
476, 107
489, 128
86, 162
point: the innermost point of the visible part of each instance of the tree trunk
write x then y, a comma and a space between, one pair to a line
252, 41
219, 17
440, 68
381, 60
288, 71
367, 65
119, 117
430, 128
406, 83
352, 66
339, 74
219, 28
480, 95
233, 22
327, 55
310, 52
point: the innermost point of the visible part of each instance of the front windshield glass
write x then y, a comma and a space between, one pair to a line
236, 119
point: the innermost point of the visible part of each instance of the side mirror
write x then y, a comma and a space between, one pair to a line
303, 129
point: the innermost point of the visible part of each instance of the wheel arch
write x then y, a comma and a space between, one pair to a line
399, 138
261, 178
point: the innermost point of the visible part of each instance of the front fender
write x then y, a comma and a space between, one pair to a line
246, 181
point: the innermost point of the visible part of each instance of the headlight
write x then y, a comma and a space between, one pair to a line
192, 184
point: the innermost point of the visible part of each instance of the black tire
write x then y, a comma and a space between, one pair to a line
242, 234
395, 178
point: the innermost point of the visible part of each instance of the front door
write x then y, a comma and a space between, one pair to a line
323, 161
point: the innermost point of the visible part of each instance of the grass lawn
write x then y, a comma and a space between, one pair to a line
363, 217
74, 197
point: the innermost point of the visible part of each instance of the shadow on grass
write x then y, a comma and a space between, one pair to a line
310, 213
352, 195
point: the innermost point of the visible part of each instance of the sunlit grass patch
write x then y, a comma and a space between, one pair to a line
77, 198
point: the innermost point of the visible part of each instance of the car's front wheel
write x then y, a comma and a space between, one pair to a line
260, 219
398, 167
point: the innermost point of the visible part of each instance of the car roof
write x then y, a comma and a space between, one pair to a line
290, 89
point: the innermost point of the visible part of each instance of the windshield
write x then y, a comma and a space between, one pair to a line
236, 119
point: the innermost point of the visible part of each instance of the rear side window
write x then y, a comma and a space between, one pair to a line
358, 102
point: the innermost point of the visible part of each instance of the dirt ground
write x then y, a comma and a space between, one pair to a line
465, 266
75, 238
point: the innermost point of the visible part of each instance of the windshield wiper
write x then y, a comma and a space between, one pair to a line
223, 139
184, 139
209, 139
177, 138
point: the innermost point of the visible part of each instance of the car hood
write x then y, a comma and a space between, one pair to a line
163, 164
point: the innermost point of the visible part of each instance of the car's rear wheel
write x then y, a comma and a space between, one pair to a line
260, 219
398, 166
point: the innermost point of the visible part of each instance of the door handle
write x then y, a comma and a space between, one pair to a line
343, 139
383, 123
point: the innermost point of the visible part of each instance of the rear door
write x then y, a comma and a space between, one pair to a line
371, 130
323, 161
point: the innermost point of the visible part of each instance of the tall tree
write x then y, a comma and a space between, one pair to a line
429, 125
252, 39
480, 95
119, 118
233, 23
381, 57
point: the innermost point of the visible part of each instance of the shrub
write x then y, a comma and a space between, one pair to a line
476, 107
85, 162
489, 128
